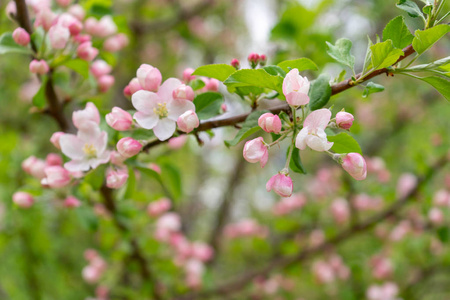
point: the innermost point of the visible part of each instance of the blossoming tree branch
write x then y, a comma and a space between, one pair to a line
100, 159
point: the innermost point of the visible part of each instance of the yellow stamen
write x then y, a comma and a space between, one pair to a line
90, 150
161, 111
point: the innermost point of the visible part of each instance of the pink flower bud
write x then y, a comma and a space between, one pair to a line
71, 202
154, 167
436, 216
53, 159
105, 83
23, 199
58, 36
270, 123
88, 114
82, 38
202, 251
116, 179
102, 292
128, 147
56, 177
119, 119
177, 142
116, 158
63, 3
280, 184
126, 91
255, 150
344, 120
262, 60
224, 107
11, 9
106, 27
340, 210
77, 11
35, 167
45, 18
296, 88
91, 274
169, 221
406, 183
183, 92
86, 52
159, 207
116, 43
441, 198
235, 63
355, 165
149, 77
253, 59
55, 138
21, 36
134, 85
212, 85
188, 121
39, 67
90, 254
100, 68
187, 75
381, 267
71, 23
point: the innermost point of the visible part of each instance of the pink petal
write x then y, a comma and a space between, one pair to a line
147, 121
77, 165
164, 129
178, 107
300, 140
166, 89
145, 101
101, 143
318, 119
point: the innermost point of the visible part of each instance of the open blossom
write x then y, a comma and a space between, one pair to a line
55, 138
296, 88
255, 150
89, 113
270, 123
56, 177
344, 120
313, 133
149, 77
21, 36
116, 179
159, 207
355, 165
58, 36
188, 121
128, 147
86, 52
159, 111
280, 184
23, 199
119, 119
87, 149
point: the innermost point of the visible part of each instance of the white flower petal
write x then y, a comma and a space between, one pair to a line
72, 146
145, 101
178, 107
300, 139
164, 129
77, 165
147, 121
166, 89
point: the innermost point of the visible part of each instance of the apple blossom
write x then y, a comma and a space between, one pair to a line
159, 111
87, 149
381, 267
188, 121
262, 60
53, 159
177, 142
86, 52
11, 10
387, 291
77, 11
21, 36
355, 165
128, 147
55, 138
436, 216
82, 38
156, 208
235, 63
313, 133
116, 179
406, 184
340, 210
106, 27
58, 36
202, 251
288, 205
281, 184
117, 159
45, 18
255, 150
296, 88
119, 119
39, 67
149, 77
183, 92
187, 75
88, 114
134, 86
34, 166
253, 59
63, 3
270, 123
344, 120
23, 199
105, 83
211, 84
116, 43
71, 202
99, 68
245, 228
71, 23
441, 198
154, 167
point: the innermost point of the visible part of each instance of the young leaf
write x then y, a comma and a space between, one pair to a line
372, 88
80, 66
39, 99
344, 143
275, 70
8, 45
197, 84
341, 52
207, 105
397, 31
301, 64
217, 71
384, 55
295, 164
249, 127
440, 84
368, 57
410, 7
320, 92
424, 39
257, 78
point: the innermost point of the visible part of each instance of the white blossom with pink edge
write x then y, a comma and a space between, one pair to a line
313, 133
159, 111
296, 88
89, 113
87, 149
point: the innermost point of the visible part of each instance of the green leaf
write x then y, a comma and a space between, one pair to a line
441, 64
443, 234
372, 88
410, 7
257, 78
424, 39
368, 57
8, 45
197, 84
217, 71
301, 64
275, 70
131, 184
39, 100
344, 143
397, 31
427, 9
296, 164
171, 179
341, 52
320, 92
384, 55
208, 105
249, 127
95, 177
78, 65
440, 84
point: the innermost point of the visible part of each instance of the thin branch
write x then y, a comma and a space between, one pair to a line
243, 280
